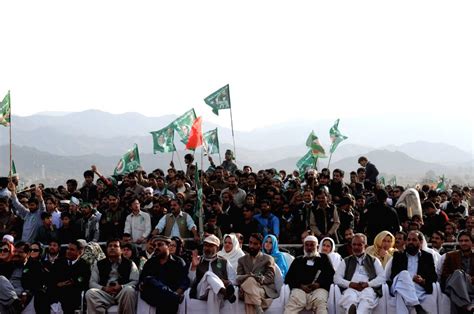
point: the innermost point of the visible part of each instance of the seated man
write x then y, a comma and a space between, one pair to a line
212, 276
164, 278
411, 274
457, 277
360, 277
69, 277
113, 281
309, 277
256, 277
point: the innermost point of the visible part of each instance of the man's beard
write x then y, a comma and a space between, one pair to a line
253, 252
310, 254
209, 257
411, 249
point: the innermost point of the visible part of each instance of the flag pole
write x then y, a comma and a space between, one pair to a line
201, 211
10, 135
232, 127
179, 160
329, 162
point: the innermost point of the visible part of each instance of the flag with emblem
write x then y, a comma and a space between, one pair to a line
211, 142
316, 148
335, 136
306, 162
129, 162
163, 140
5, 110
218, 100
183, 125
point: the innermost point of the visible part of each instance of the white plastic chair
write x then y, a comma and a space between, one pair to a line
289, 258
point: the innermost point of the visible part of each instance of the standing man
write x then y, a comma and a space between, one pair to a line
238, 194
177, 223
371, 173
256, 277
411, 274
309, 277
31, 216
113, 281
360, 276
138, 223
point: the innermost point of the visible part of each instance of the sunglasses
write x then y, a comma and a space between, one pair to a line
35, 250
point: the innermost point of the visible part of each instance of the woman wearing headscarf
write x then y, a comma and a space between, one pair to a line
270, 247
383, 247
328, 247
231, 250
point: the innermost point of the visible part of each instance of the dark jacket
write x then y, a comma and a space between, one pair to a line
452, 263
302, 273
426, 268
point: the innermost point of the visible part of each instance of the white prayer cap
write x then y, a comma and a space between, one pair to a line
311, 238
8, 238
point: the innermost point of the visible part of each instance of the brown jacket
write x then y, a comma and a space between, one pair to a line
451, 263
262, 265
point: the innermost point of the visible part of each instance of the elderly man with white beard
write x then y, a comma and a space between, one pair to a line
212, 276
309, 278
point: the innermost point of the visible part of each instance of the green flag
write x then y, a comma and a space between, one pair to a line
393, 181
306, 162
219, 99
336, 136
211, 142
382, 181
129, 162
5, 110
198, 213
183, 125
13, 171
316, 148
441, 185
163, 140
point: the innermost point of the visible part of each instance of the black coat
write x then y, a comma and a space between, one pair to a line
302, 273
426, 268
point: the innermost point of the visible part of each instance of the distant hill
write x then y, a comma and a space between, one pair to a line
31, 164
433, 152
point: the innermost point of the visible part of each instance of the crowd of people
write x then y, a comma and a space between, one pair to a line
354, 233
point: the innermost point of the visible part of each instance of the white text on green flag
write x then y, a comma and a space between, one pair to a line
218, 100
129, 162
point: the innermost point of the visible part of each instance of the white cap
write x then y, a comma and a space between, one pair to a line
8, 238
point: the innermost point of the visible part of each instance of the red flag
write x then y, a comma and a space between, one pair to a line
195, 136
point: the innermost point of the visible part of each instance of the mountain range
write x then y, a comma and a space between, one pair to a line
56, 146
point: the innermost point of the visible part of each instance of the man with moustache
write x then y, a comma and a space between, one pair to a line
309, 277
112, 281
360, 277
70, 276
164, 278
411, 274
457, 277
256, 277
212, 277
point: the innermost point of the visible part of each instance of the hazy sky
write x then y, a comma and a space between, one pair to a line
284, 60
